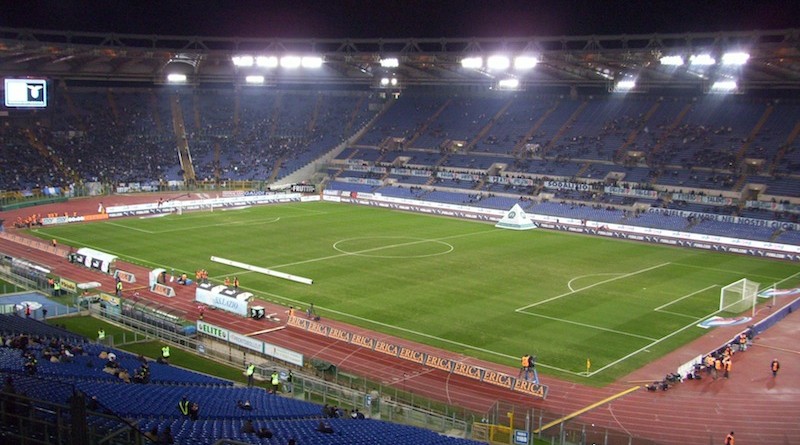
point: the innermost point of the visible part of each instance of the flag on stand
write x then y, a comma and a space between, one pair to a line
588, 364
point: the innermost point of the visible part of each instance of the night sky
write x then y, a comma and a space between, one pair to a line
398, 18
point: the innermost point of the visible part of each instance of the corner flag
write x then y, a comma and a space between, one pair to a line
588, 364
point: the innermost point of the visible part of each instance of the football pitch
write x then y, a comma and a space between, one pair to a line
459, 285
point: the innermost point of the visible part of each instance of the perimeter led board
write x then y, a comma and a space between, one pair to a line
26, 93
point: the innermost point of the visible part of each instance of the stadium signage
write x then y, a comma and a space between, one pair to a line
773, 206
362, 340
212, 330
498, 378
731, 219
386, 348
339, 334
432, 361
621, 191
439, 363
703, 199
247, 342
565, 185
530, 388
468, 370
163, 290
68, 285
170, 206
412, 355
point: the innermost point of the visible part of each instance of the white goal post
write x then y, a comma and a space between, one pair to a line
739, 296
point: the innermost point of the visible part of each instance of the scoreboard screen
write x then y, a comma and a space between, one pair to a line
26, 93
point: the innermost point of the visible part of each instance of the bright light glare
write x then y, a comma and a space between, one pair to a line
391, 62
672, 60
311, 62
472, 62
498, 62
735, 58
724, 85
267, 61
393, 81
508, 83
242, 60
174, 77
290, 61
525, 62
702, 59
626, 85
385, 81
254, 79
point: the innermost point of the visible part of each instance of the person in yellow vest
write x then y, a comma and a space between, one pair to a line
165, 354
727, 364
183, 406
101, 335
275, 379
523, 370
119, 288
250, 371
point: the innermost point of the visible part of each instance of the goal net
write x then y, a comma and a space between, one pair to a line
739, 296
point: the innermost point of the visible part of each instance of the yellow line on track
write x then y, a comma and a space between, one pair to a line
585, 409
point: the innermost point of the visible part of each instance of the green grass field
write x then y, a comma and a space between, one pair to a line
460, 285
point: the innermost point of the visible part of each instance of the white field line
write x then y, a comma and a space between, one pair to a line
732, 272
685, 296
662, 311
565, 294
622, 359
785, 279
375, 249
569, 284
149, 232
585, 325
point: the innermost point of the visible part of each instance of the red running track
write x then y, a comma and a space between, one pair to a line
759, 408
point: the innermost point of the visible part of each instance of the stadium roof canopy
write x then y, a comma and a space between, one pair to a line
597, 61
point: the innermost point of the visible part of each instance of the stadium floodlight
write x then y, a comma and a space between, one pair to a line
242, 60
176, 77
498, 62
737, 58
671, 60
390, 62
254, 79
472, 62
525, 62
625, 85
267, 61
311, 62
385, 81
724, 86
508, 84
702, 60
393, 81
290, 61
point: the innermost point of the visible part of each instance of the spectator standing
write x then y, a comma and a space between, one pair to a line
729, 439
289, 379
775, 366
276, 381
728, 364
183, 406
194, 411
251, 369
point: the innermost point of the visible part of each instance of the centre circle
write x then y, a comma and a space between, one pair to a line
381, 246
